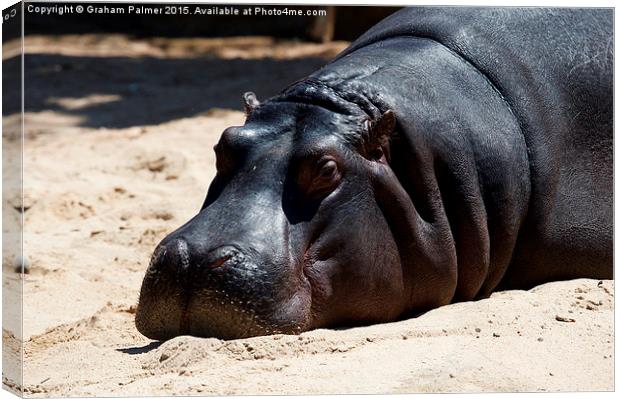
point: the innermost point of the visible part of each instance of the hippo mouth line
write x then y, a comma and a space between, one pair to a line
308, 276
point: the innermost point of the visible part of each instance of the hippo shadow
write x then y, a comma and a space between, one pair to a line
121, 92
138, 350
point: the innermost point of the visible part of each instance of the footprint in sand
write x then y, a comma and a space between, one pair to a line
164, 165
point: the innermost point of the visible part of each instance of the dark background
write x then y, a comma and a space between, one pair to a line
154, 90
349, 22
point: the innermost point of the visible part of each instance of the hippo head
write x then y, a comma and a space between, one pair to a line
291, 235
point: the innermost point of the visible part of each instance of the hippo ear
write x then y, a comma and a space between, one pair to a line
250, 102
384, 125
380, 130
378, 134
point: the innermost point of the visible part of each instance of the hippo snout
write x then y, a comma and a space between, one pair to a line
222, 291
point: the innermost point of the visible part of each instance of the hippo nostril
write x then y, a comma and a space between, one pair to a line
156, 260
219, 262
221, 256
173, 256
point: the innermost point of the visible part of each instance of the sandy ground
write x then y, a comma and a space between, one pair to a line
118, 154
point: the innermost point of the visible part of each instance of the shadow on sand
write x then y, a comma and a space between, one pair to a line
138, 350
120, 92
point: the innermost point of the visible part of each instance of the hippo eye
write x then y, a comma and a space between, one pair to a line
328, 170
326, 176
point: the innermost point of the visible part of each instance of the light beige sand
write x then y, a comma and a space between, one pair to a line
99, 200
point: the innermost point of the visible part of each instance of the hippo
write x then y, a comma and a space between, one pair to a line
445, 154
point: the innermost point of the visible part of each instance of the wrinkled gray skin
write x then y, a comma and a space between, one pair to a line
447, 153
